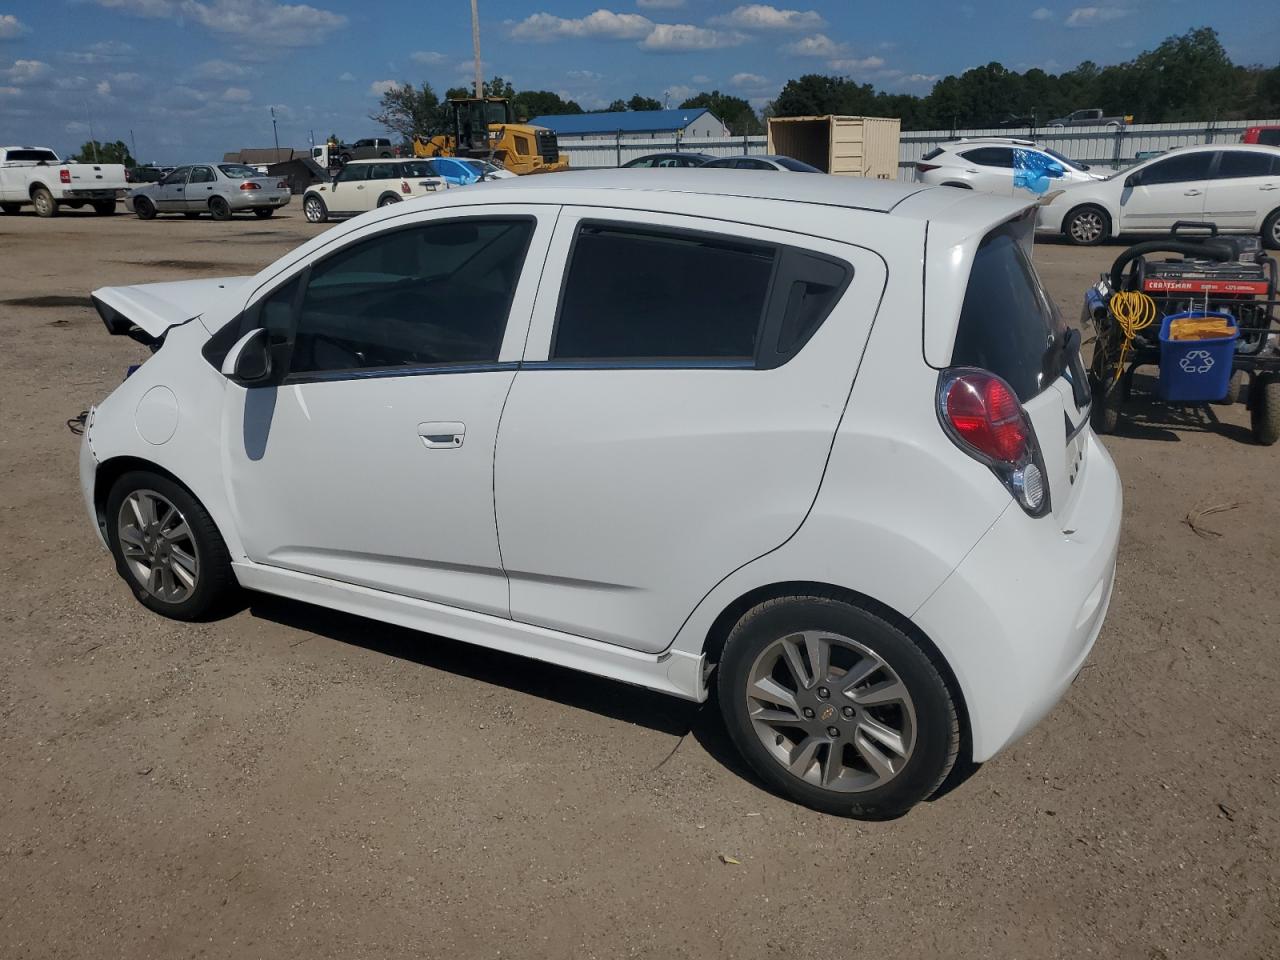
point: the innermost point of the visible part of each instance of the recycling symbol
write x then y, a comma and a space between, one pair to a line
1197, 361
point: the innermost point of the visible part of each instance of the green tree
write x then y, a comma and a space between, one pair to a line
735, 112
499, 87
409, 111
94, 151
542, 103
616, 107
638, 102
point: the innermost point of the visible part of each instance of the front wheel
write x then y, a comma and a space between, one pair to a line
144, 208
167, 547
1271, 230
1087, 226
44, 203
220, 209
837, 708
314, 210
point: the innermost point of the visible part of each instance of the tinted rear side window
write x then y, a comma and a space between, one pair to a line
990, 156
1270, 137
1007, 324
1241, 163
643, 295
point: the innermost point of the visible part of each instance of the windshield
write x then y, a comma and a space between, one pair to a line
238, 171
1065, 161
417, 168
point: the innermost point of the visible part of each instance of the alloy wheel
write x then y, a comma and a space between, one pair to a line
157, 546
831, 711
312, 209
1087, 226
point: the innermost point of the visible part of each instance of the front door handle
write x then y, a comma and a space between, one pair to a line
1269, 186
442, 435
1192, 193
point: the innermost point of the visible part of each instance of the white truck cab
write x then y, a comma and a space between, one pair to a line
36, 176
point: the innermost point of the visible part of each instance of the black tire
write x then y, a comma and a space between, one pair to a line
1237, 388
344, 158
263, 212
388, 198
936, 727
1264, 409
144, 208
11, 208
104, 208
219, 208
1271, 230
44, 203
192, 214
384, 155
215, 584
313, 208
1087, 225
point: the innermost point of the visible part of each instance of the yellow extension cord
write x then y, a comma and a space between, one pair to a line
1134, 311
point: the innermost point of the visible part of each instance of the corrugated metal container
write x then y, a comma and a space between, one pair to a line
849, 146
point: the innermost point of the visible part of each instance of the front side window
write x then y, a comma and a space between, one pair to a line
1245, 163
354, 172
427, 295
202, 175
176, 176
639, 294
642, 162
1184, 167
721, 163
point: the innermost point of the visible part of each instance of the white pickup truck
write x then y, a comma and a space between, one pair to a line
36, 176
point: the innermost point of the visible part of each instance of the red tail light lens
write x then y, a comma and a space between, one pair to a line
282, 184
64, 175
926, 167
983, 417
404, 187
250, 185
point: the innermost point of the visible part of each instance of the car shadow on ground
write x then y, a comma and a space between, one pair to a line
659, 712
1144, 416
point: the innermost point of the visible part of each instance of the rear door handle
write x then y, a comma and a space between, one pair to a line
442, 435
1192, 193
1269, 186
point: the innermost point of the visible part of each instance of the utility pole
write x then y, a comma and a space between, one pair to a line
475, 46
274, 135
133, 145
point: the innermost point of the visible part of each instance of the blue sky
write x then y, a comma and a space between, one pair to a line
194, 78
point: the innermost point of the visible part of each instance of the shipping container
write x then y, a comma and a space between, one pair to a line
848, 146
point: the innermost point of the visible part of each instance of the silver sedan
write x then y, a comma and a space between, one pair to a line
219, 189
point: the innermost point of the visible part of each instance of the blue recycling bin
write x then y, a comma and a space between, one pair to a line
1196, 371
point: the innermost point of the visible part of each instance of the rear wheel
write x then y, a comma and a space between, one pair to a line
837, 708
1264, 412
167, 547
387, 199
104, 208
44, 203
1271, 230
314, 210
144, 208
263, 212
1087, 226
220, 209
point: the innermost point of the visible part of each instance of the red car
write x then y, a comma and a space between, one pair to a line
1270, 136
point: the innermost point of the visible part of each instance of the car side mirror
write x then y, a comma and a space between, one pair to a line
1133, 180
248, 362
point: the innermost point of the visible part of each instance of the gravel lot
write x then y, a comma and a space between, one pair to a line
290, 782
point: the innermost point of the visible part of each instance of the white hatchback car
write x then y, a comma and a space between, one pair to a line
1233, 186
1000, 165
364, 185
674, 428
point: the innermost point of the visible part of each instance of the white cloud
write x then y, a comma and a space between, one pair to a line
1092, 16
678, 94
921, 78
76, 126
141, 8
221, 70
1041, 13
25, 71
104, 88
818, 45
747, 80
379, 87
10, 26
584, 75
10, 92
761, 16
427, 57
346, 77
700, 78
107, 51
604, 24
659, 4
255, 23
236, 95
682, 37
855, 65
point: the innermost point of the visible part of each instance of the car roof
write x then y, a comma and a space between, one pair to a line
369, 160
1002, 141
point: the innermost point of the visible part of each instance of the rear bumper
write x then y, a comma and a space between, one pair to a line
252, 200
96, 193
1017, 619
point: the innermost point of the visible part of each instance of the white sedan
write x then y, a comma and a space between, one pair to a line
522, 417
1236, 187
1000, 165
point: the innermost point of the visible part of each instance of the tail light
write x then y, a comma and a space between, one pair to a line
926, 167
282, 184
982, 416
404, 187
64, 175
250, 185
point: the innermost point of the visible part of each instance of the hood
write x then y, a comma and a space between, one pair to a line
146, 311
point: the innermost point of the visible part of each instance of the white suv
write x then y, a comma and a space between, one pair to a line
364, 185
674, 428
1000, 165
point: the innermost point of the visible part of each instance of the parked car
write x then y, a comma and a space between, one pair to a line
1091, 117
881, 563
760, 162
147, 174
218, 189
1235, 187
1268, 136
365, 184
999, 165
453, 171
487, 170
36, 176
669, 160
367, 149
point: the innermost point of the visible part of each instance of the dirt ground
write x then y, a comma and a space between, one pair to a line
290, 782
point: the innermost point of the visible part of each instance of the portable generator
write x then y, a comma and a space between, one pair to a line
1139, 308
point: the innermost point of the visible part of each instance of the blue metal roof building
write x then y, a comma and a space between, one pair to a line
691, 122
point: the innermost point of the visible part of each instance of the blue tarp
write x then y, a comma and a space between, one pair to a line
1033, 170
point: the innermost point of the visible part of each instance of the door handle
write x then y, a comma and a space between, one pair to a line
442, 435
1269, 186
1192, 193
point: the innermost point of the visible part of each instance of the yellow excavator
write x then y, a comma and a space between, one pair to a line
485, 128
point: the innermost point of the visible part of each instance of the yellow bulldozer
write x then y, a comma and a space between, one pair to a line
486, 129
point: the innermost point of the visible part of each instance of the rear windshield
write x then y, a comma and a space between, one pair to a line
238, 171
416, 168
1007, 324
36, 156
797, 166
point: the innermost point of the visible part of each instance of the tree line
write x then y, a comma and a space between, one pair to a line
1187, 77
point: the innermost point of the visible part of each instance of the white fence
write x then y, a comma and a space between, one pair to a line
1107, 147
